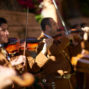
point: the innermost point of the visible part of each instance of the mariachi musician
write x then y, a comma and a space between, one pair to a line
5, 59
55, 66
81, 62
6, 62
75, 38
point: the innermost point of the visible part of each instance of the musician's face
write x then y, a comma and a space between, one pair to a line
4, 33
53, 27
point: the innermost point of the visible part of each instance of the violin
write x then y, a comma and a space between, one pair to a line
14, 45
31, 44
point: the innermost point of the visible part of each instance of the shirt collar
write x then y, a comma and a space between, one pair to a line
1, 45
47, 35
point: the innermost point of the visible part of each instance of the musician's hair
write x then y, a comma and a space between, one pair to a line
2, 21
44, 22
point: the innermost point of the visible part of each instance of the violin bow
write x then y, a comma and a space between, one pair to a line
62, 21
24, 52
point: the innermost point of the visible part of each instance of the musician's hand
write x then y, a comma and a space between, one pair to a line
5, 74
85, 29
48, 43
19, 60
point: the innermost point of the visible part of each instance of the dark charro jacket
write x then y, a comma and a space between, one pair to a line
53, 65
